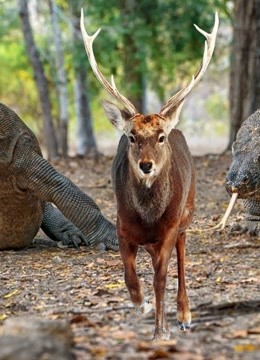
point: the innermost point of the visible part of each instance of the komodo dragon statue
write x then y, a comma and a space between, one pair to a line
28, 187
243, 177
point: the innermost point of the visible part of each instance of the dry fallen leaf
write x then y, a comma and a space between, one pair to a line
246, 347
238, 334
12, 293
3, 317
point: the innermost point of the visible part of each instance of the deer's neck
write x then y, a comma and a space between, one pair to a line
150, 202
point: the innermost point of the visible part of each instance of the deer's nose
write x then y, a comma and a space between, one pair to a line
146, 167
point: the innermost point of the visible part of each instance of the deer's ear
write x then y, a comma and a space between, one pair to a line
114, 115
173, 115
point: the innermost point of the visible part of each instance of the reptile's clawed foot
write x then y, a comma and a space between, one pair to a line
250, 228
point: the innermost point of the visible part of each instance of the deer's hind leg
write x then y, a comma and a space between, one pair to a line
183, 308
128, 254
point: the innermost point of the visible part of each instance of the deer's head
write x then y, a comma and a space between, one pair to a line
148, 146
147, 134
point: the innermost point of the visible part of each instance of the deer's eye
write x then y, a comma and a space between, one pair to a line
161, 139
131, 139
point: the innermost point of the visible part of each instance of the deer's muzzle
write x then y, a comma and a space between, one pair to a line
146, 167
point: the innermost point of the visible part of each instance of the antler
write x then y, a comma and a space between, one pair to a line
208, 51
111, 88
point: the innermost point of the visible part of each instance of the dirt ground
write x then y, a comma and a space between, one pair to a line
86, 286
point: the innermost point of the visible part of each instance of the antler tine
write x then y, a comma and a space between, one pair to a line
112, 89
208, 51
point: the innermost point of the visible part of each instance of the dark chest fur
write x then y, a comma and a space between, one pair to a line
166, 197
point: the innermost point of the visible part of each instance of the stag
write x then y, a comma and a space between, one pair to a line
154, 182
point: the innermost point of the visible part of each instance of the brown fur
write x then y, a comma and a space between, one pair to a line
145, 125
154, 216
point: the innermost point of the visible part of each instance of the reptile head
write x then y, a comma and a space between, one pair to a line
244, 174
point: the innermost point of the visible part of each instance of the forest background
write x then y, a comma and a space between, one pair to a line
152, 49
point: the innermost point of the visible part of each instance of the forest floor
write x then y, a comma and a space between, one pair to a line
86, 286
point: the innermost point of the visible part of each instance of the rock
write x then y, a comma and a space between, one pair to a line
34, 339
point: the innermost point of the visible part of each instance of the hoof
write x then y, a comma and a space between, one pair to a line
161, 337
145, 308
184, 325
162, 334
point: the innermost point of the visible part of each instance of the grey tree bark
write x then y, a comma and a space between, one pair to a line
86, 142
61, 82
40, 79
245, 64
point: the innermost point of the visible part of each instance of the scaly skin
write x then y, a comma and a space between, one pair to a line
28, 186
244, 174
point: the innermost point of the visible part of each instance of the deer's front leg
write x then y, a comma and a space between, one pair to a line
183, 308
160, 258
128, 253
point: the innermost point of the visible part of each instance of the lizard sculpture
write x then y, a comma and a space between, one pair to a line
243, 176
28, 187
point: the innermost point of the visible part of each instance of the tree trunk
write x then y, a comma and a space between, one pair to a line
61, 82
40, 79
86, 143
245, 64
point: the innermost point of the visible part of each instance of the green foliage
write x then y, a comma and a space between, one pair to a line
157, 36
17, 86
151, 40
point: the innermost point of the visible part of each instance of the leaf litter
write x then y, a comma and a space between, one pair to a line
86, 286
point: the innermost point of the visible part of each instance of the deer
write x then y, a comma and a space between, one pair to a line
153, 178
